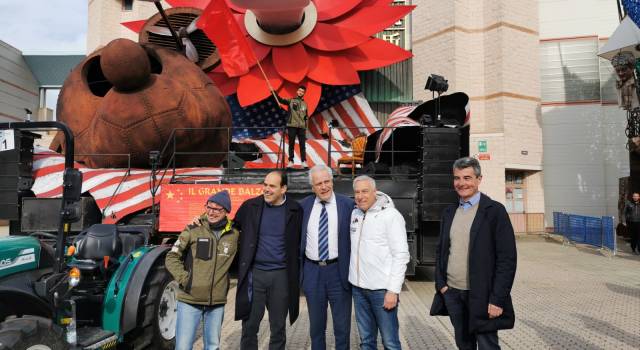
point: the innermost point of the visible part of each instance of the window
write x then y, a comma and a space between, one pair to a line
515, 190
570, 70
127, 5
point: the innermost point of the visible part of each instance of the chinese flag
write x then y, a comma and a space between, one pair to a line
218, 24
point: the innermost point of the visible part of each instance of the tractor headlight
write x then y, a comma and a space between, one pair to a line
74, 277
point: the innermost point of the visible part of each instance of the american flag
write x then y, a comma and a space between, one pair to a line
397, 119
400, 118
117, 192
344, 104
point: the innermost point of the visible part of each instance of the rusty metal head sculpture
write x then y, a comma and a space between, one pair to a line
624, 63
127, 99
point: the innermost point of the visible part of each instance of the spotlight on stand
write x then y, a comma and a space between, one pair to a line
437, 83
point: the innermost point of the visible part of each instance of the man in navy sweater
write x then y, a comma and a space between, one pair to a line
268, 262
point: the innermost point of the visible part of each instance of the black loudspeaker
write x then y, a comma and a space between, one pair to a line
407, 207
373, 168
16, 163
441, 149
235, 162
413, 250
428, 241
43, 214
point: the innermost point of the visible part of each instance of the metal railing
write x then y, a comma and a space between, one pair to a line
376, 153
173, 142
594, 231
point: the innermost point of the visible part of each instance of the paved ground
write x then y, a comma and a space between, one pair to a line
565, 297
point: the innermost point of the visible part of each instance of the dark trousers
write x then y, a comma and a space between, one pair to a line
302, 139
322, 287
457, 302
270, 290
634, 230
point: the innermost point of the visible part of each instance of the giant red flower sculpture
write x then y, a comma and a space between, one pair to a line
334, 42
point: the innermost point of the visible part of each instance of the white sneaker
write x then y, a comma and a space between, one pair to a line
304, 164
290, 164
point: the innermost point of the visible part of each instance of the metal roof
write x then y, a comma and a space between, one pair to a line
52, 70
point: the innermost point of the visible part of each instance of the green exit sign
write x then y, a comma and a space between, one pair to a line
482, 146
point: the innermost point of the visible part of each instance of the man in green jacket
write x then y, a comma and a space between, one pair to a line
199, 261
297, 124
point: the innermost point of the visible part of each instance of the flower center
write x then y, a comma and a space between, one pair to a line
281, 36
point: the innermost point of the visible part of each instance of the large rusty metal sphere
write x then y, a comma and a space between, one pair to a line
125, 64
107, 117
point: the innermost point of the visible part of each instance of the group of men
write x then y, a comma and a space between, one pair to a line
341, 253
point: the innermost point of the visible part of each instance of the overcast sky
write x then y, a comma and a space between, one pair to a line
44, 26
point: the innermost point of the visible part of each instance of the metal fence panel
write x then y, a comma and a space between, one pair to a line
594, 231
577, 228
608, 233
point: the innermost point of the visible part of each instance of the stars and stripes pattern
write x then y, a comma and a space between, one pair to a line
117, 192
400, 118
345, 104
274, 148
397, 119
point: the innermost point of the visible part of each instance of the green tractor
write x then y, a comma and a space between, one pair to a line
103, 288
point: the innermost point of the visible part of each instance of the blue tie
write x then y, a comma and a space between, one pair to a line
323, 234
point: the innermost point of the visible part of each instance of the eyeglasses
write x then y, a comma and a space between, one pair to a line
214, 210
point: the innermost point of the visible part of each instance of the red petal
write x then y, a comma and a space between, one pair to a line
312, 96
260, 51
292, 62
252, 86
331, 69
328, 37
136, 26
373, 19
200, 4
227, 86
375, 53
328, 9
288, 89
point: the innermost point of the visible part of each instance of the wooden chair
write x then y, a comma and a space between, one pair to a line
358, 146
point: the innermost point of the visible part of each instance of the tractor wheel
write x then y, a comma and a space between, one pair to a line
158, 306
31, 333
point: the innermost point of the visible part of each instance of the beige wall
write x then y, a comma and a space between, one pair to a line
489, 50
105, 17
493, 179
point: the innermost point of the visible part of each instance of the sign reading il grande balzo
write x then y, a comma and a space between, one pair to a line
181, 203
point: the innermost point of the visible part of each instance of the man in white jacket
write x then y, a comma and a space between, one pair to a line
379, 257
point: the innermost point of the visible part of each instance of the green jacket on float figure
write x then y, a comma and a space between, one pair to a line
297, 112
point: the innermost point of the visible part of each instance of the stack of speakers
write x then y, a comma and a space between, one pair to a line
441, 149
16, 168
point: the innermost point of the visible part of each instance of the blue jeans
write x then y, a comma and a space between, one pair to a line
189, 317
371, 317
